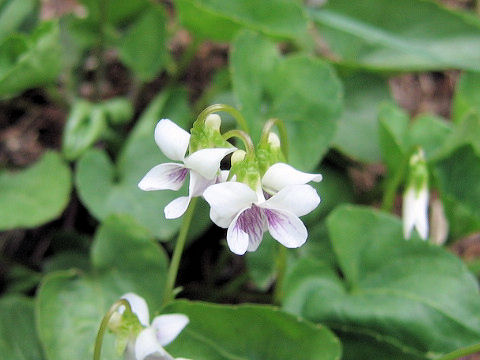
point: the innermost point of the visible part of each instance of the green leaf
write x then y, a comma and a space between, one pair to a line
399, 35
143, 48
357, 131
18, 338
407, 299
36, 195
71, 304
467, 96
220, 20
301, 91
430, 132
221, 332
27, 61
106, 188
13, 14
116, 12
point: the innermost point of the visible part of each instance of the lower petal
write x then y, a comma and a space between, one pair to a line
168, 176
286, 228
177, 207
167, 327
147, 344
246, 230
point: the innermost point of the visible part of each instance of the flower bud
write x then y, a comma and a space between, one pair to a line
274, 140
214, 121
237, 157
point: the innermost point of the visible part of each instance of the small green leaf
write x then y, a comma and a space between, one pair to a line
19, 339
386, 35
143, 48
124, 258
467, 96
221, 332
407, 299
357, 131
13, 14
27, 61
219, 20
36, 195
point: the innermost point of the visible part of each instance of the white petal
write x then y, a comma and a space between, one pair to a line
408, 212
207, 161
147, 344
219, 220
171, 139
177, 207
167, 327
280, 175
421, 216
228, 198
139, 307
286, 228
246, 230
198, 184
298, 199
223, 176
168, 176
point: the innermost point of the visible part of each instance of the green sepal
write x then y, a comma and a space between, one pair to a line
126, 330
267, 155
246, 171
204, 137
417, 172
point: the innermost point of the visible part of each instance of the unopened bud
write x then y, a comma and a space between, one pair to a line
214, 121
274, 140
237, 156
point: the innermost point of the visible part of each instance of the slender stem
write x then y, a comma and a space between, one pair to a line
177, 253
103, 326
472, 349
282, 131
247, 141
281, 269
225, 108
392, 185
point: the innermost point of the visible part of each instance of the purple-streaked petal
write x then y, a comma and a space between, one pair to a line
168, 176
139, 307
177, 207
172, 139
147, 345
246, 230
280, 175
286, 227
167, 327
228, 198
206, 162
298, 199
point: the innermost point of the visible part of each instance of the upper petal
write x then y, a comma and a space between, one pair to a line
139, 307
147, 344
167, 327
298, 199
206, 162
172, 139
228, 198
198, 184
408, 212
168, 176
286, 228
280, 175
421, 214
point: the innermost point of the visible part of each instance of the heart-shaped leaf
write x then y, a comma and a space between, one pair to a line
250, 332
36, 195
71, 304
407, 299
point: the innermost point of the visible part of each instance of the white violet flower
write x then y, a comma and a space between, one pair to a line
161, 332
415, 212
203, 167
247, 214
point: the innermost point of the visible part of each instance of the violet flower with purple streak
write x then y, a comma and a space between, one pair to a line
202, 165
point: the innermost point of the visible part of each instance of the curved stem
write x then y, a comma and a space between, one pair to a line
282, 132
225, 108
281, 269
247, 141
469, 350
177, 253
103, 326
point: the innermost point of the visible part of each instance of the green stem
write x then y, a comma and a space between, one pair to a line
392, 185
247, 141
281, 269
104, 324
225, 108
282, 132
177, 253
469, 350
